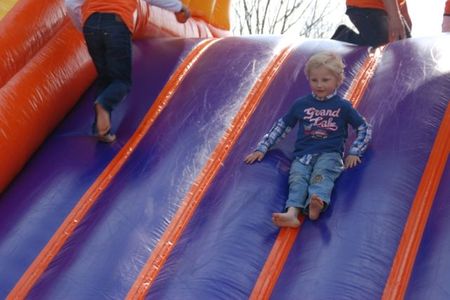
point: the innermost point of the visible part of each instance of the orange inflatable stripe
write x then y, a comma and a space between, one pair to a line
45, 257
25, 29
286, 238
35, 100
275, 262
402, 267
362, 79
190, 203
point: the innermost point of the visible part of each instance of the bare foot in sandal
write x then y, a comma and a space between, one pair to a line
315, 207
103, 125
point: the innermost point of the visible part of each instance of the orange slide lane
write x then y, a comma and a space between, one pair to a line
193, 198
402, 267
286, 238
75, 217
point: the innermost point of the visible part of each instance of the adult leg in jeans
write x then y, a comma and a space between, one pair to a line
94, 36
345, 34
372, 25
109, 44
118, 61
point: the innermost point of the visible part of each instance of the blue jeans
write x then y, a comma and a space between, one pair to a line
316, 178
372, 25
109, 44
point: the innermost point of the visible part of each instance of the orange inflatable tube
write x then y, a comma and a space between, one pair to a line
37, 98
44, 71
25, 30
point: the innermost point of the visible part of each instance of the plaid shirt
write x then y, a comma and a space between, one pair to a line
280, 129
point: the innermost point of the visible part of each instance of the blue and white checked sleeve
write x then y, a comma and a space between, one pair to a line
170, 5
73, 8
278, 131
364, 135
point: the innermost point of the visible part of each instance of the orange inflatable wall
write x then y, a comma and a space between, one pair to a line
45, 67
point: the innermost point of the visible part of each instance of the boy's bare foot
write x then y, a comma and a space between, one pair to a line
285, 220
315, 207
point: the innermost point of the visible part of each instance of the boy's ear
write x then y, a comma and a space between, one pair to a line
340, 79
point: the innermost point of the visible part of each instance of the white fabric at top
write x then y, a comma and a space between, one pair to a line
446, 24
74, 8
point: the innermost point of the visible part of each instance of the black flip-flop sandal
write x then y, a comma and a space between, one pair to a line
107, 137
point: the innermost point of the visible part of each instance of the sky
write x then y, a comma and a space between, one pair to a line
426, 16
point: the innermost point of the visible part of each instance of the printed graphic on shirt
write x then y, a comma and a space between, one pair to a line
319, 122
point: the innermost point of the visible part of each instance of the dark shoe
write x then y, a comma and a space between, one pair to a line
339, 32
108, 137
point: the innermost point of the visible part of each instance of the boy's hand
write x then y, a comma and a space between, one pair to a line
254, 156
352, 161
183, 15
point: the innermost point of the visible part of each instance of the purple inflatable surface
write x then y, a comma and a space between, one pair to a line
347, 254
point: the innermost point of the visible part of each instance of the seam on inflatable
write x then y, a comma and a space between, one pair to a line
405, 257
189, 204
286, 238
52, 248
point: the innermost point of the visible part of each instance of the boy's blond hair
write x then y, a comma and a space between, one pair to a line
329, 60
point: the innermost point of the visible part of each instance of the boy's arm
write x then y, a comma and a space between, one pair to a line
170, 5
278, 131
73, 8
181, 11
396, 28
363, 137
405, 14
446, 18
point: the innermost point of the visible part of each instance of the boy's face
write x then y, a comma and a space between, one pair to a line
323, 82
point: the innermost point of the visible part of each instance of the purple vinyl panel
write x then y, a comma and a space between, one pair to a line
348, 253
106, 253
52, 182
431, 273
225, 246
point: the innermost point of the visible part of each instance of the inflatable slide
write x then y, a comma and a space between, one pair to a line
170, 211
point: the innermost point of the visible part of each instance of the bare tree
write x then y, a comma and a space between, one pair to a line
308, 18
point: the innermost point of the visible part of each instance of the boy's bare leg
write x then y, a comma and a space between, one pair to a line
287, 219
315, 207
